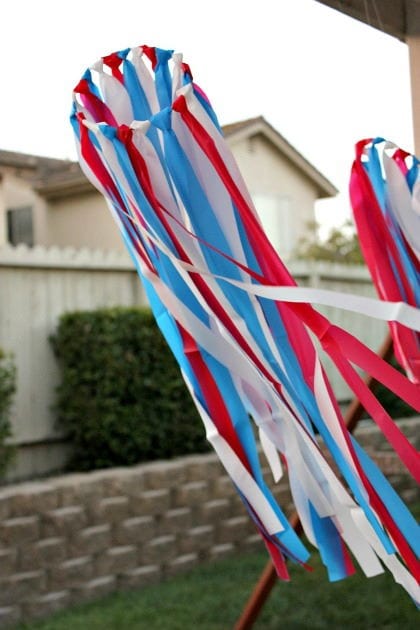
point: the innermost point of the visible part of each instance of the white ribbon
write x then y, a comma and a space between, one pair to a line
401, 200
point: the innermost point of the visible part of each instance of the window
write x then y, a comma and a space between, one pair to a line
20, 226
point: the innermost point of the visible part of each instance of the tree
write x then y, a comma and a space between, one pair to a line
340, 246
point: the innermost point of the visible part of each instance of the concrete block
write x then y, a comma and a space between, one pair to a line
110, 510
221, 551
92, 539
9, 616
8, 562
33, 498
196, 539
390, 464
94, 589
181, 564
5, 505
64, 521
235, 529
223, 488
80, 488
151, 502
158, 475
211, 512
237, 507
203, 468
135, 530
71, 573
45, 605
20, 530
191, 494
175, 521
42, 553
20, 586
123, 481
410, 428
116, 560
159, 550
140, 576
411, 495
371, 439
68, 490
252, 543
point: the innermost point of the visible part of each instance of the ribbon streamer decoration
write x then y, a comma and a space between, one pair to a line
151, 143
385, 196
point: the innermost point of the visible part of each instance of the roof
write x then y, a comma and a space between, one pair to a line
34, 163
400, 18
54, 178
259, 125
62, 182
51, 177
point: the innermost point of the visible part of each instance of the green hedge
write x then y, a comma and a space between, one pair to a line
122, 399
7, 390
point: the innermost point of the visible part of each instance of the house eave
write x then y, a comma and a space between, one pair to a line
399, 18
53, 191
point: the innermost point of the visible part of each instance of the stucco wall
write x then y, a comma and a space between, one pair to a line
268, 173
82, 221
17, 192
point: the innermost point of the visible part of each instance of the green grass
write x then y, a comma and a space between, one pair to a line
211, 598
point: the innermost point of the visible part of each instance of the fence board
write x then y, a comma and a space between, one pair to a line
36, 287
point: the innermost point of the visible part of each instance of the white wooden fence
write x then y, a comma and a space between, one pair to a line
38, 285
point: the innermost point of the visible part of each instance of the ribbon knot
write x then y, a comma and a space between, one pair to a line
162, 120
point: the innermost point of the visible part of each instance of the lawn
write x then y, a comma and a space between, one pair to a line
211, 597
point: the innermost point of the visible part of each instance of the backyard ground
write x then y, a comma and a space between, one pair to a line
211, 597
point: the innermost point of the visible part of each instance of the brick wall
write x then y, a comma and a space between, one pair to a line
78, 537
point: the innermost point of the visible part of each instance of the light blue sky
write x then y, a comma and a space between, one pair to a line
322, 79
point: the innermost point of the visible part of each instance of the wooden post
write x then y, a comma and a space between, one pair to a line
268, 577
413, 43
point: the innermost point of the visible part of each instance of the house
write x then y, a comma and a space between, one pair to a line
283, 184
46, 201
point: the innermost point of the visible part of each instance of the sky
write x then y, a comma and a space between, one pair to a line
323, 80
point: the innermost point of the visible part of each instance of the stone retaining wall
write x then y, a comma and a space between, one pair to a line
78, 537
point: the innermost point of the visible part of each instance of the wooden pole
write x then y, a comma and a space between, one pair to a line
413, 43
268, 577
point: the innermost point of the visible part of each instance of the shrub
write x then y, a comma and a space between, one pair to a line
7, 389
122, 398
